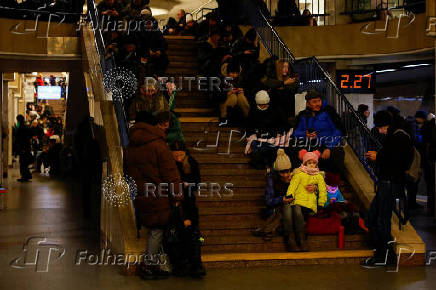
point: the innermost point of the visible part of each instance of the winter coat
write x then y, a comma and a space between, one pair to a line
148, 159
246, 60
326, 123
337, 195
270, 79
22, 135
190, 173
395, 156
274, 192
302, 197
266, 124
174, 132
209, 59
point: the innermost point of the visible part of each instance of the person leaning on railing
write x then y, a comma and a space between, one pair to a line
392, 161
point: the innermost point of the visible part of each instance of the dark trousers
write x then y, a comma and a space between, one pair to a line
412, 190
380, 214
429, 175
24, 165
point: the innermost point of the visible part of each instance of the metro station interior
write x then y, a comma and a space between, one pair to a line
201, 144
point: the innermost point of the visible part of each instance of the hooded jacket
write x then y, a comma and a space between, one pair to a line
396, 155
148, 159
304, 198
326, 123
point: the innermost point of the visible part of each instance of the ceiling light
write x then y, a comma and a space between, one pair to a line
416, 65
385, 70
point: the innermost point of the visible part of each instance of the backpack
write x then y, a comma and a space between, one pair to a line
414, 172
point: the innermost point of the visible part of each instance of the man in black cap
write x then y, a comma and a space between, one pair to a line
319, 128
392, 161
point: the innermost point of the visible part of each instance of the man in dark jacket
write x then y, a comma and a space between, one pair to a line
392, 160
22, 147
246, 51
152, 49
149, 161
319, 128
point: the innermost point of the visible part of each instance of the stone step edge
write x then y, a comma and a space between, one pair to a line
334, 254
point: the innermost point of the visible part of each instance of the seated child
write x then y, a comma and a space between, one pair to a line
348, 212
333, 192
301, 199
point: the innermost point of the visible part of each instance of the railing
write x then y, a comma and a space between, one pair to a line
317, 9
68, 12
374, 7
313, 76
106, 65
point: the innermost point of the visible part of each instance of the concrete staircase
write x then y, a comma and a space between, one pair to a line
226, 219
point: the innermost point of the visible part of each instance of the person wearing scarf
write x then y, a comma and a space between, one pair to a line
302, 201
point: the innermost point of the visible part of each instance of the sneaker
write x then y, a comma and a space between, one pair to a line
371, 263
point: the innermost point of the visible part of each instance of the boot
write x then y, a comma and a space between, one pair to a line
303, 243
292, 245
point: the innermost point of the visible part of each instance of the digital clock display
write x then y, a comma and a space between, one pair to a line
356, 81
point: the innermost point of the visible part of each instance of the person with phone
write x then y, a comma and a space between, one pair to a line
320, 127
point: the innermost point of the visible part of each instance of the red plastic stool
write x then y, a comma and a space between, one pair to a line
341, 238
3, 192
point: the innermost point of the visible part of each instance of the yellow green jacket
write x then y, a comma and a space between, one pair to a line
301, 196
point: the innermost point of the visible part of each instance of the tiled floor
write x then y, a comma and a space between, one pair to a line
51, 209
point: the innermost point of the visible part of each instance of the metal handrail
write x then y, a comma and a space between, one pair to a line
101, 49
359, 137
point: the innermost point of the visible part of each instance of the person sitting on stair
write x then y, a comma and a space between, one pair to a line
234, 93
277, 183
302, 201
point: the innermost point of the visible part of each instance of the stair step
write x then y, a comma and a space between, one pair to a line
178, 37
231, 207
234, 221
199, 120
174, 57
182, 64
213, 158
189, 52
233, 260
186, 71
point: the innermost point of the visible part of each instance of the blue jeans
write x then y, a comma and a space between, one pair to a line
154, 244
293, 219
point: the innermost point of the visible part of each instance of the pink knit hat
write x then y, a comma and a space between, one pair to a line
306, 156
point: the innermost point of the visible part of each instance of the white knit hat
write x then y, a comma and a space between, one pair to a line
282, 161
146, 12
262, 98
189, 18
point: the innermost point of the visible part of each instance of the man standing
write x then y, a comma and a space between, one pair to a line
22, 147
392, 161
150, 162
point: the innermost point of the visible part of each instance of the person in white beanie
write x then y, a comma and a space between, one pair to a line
262, 100
264, 122
191, 27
